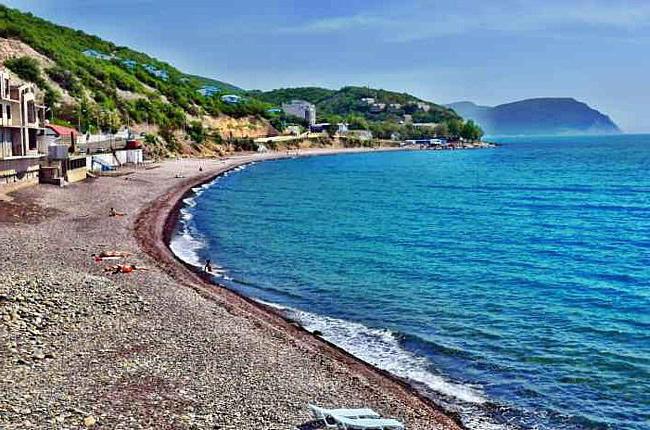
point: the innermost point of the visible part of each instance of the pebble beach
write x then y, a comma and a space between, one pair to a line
160, 348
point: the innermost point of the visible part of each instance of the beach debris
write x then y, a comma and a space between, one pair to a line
90, 421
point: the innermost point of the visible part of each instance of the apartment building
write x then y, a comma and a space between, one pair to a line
21, 129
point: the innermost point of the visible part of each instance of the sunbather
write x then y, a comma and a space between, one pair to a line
124, 268
113, 212
107, 255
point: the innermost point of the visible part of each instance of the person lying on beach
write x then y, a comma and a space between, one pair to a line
106, 255
113, 212
124, 268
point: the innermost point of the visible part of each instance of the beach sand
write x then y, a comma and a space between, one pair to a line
160, 348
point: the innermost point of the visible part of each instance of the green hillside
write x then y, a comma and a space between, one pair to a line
201, 81
97, 84
384, 112
102, 83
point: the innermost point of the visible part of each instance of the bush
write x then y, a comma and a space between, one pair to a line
26, 68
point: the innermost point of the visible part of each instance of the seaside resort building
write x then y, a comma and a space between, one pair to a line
21, 131
301, 109
33, 151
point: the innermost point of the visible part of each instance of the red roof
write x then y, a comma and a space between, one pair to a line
61, 130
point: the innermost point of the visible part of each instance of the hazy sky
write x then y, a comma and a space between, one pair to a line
489, 52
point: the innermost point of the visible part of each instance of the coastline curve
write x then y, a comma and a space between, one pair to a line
154, 227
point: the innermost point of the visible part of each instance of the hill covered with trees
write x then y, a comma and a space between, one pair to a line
384, 112
97, 84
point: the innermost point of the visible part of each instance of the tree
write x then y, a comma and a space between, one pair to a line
471, 131
454, 126
196, 132
441, 130
332, 129
357, 122
26, 68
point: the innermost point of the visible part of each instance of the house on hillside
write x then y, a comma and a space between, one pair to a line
231, 99
368, 100
129, 64
378, 107
92, 53
21, 130
301, 109
426, 107
209, 90
155, 71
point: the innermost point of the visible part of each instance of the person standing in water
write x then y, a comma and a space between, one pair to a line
208, 266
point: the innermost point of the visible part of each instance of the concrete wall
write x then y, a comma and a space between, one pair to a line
77, 175
133, 156
18, 172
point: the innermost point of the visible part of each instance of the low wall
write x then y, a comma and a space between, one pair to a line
126, 156
76, 175
15, 173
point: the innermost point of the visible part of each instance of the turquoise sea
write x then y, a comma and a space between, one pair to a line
513, 284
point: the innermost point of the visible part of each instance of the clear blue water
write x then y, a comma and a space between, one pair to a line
513, 283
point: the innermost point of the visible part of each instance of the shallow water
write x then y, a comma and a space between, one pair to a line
513, 282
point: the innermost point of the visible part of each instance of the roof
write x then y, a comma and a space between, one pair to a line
62, 130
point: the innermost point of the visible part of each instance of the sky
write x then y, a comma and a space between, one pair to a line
488, 52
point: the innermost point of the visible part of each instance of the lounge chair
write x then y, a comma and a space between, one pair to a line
345, 423
327, 415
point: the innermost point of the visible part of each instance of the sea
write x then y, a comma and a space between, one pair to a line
512, 284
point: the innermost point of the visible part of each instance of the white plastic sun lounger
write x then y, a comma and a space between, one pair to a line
327, 415
345, 423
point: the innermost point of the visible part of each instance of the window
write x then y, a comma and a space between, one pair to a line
8, 111
77, 163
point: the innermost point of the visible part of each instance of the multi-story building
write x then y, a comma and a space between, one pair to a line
301, 109
21, 128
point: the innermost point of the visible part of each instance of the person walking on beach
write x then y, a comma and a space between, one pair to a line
208, 266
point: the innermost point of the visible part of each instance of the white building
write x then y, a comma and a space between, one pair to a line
301, 109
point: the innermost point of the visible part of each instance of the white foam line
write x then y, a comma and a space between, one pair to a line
382, 349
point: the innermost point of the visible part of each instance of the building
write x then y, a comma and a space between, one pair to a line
92, 53
129, 64
294, 130
209, 90
301, 109
368, 100
363, 135
21, 130
429, 142
231, 99
378, 107
423, 106
155, 71
58, 134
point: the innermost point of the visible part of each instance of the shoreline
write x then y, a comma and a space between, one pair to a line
169, 217
162, 348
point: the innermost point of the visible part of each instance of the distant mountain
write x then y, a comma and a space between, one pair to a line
373, 104
537, 116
